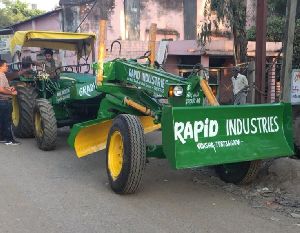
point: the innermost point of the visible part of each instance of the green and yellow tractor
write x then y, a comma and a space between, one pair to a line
140, 98
45, 103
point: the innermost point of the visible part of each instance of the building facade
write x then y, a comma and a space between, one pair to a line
177, 29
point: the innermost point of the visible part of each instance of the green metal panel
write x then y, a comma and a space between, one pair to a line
61, 112
202, 136
78, 77
84, 91
150, 79
154, 81
62, 95
82, 86
155, 151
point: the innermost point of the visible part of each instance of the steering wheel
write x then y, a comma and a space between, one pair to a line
65, 70
87, 69
146, 55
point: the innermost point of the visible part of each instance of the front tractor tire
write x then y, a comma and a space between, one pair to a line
238, 173
45, 125
125, 154
22, 113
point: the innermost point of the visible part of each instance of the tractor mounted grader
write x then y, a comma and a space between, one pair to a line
140, 98
135, 98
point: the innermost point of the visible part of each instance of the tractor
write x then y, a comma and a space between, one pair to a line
45, 103
138, 98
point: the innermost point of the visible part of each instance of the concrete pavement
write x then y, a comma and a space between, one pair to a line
56, 192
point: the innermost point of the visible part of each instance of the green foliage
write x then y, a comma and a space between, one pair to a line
275, 28
15, 11
278, 8
251, 34
296, 56
232, 14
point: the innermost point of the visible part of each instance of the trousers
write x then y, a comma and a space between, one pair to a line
240, 98
5, 120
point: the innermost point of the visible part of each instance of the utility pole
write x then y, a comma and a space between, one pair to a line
288, 50
260, 50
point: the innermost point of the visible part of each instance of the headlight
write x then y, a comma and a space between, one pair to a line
178, 91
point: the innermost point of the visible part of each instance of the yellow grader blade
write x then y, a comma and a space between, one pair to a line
91, 136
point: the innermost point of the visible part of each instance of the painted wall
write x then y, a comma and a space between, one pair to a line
115, 24
139, 14
167, 15
48, 23
51, 23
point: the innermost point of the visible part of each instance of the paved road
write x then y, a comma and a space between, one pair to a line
56, 192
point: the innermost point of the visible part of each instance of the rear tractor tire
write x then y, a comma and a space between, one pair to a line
125, 154
297, 136
22, 113
45, 125
297, 151
239, 173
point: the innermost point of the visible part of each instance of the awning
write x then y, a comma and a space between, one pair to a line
53, 40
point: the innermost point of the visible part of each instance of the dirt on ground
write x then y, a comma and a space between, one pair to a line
277, 186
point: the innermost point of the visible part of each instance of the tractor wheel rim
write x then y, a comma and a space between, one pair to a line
115, 154
38, 124
15, 112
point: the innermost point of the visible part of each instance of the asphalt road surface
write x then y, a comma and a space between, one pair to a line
57, 192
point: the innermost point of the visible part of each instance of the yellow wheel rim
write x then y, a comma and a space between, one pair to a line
16, 111
38, 124
115, 154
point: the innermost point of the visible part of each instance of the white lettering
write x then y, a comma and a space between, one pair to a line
188, 131
276, 124
213, 128
208, 128
246, 126
231, 128
198, 128
239, 126
264, 125
254, 130
179, 127
86, 90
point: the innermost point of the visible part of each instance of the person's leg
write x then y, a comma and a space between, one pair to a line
243, 98
237, 99
7, 122
1, 121
1, 134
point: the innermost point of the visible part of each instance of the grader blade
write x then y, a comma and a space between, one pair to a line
202, 136
91, 136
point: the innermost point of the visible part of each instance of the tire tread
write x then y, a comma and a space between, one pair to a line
48, 141
26, 99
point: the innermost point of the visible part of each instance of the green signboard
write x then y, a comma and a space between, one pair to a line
204, 136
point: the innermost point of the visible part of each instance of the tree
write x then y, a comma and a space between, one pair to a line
275, 27
277, 7
232, 14
15, 11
